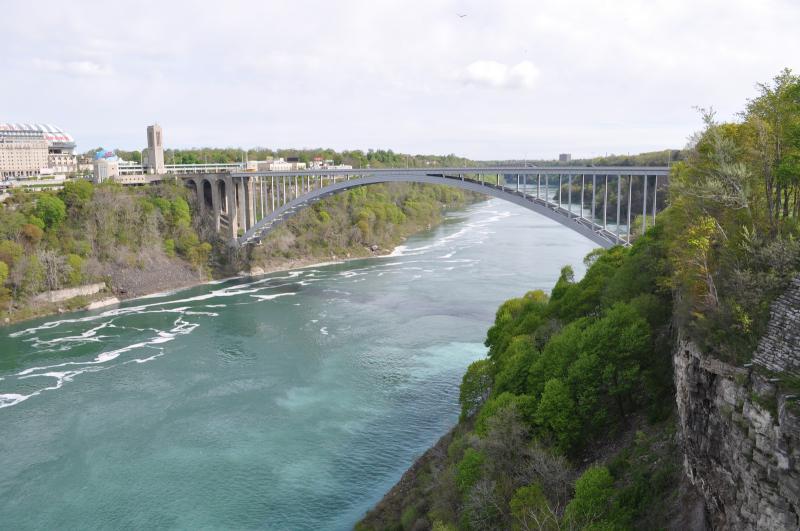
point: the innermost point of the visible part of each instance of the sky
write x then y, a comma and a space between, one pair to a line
498, 79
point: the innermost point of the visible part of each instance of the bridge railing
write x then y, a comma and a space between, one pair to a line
618, 229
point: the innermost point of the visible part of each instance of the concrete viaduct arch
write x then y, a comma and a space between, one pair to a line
247, 206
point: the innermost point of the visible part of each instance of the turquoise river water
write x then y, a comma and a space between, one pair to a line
290, 401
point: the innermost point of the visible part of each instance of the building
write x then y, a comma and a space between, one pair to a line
319, 164
30, 150
564, 157
276, 165
22, 157
105, 169
154, 154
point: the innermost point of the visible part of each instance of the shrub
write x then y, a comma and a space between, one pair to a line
592, 503
475, 387
469, 470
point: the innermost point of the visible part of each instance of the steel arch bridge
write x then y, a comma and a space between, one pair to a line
250, 205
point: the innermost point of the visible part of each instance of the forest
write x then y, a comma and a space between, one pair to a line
569, 421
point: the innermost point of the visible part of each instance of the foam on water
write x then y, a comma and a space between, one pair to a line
270, 297
101, 360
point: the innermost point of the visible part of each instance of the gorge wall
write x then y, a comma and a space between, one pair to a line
740, 427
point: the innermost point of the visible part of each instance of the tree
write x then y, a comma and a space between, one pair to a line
531, 510
469, 470
74, 269
3, 273
10, 252
77, 193
53, 266
557, 416
32, 233
619, 341
774, 116
475, 387
592, 503
518, 358
51, 210
27, 277
566, 280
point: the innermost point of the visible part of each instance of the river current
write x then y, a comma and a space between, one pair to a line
289, 401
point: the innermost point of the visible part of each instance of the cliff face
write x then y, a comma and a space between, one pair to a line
741, 433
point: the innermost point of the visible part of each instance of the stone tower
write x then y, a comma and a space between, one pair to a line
154, 162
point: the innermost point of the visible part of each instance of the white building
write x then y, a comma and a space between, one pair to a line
319, 164
30, 150
105, 169
275, 165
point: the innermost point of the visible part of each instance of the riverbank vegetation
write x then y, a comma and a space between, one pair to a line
568, 423
86, 233
138, 240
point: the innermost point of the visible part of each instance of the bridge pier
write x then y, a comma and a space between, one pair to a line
216, 207
230, 199
250, 195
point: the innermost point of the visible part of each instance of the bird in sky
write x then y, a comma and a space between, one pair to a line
460, 16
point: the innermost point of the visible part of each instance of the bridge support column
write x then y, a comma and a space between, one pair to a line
569, 194
630, 193
233, 207
216, 207
241, 204
655, 191
546, 188
644, 205
583, 187
560, 186
605, 204
619, 198
250, 196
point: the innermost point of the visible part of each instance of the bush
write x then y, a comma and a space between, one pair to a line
51, 210
531, 510
475, 387
593, 499
557, 416
469, 470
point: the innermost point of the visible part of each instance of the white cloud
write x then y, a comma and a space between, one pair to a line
73, 68
500, 75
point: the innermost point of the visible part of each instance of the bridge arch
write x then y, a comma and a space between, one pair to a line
588, 228
207, 193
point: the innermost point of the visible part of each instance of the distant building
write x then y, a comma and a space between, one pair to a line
319, 164
276, 165
565, 157
105, 169
154, 154
30, 150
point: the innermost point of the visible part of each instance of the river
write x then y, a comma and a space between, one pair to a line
290, 401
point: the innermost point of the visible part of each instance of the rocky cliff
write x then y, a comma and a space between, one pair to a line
741, 426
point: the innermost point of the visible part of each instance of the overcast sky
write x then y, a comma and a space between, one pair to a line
508, 79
